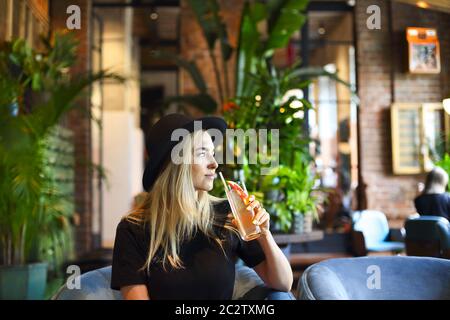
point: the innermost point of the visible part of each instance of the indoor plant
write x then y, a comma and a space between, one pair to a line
296, 197
260, 98
36, 91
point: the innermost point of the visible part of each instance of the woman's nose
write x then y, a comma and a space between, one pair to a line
213, 164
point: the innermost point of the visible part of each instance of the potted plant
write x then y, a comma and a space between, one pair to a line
296, 199
36, 91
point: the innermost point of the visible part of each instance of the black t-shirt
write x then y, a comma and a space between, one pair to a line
433, 204
207, 272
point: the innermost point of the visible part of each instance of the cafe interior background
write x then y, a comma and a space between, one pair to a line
360, 104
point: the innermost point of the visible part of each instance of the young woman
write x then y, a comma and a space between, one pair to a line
434, 200
180, 243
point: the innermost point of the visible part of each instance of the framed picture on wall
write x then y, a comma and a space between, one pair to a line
423, 50
418, 132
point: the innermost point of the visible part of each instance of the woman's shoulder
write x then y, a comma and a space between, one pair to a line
132, 226
443, 195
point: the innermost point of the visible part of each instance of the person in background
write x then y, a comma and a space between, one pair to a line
434, 200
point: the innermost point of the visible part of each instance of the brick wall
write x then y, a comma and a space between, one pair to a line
79, 123
382, 80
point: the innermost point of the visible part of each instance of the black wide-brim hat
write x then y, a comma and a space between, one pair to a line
159, 144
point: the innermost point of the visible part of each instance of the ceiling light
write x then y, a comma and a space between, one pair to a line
422, 4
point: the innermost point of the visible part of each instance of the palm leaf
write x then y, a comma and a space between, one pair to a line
287, 18
248, 45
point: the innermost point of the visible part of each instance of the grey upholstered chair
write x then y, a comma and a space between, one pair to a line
377, 278
95, 285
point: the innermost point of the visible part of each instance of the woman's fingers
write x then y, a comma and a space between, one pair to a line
254, 204
261, 216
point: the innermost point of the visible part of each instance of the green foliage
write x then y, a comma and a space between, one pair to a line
444, 163
259, 99
439, 153
296, 187
283, 18
268, 108
287, 17
36, 91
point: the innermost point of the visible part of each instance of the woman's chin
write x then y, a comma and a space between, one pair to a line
207, 186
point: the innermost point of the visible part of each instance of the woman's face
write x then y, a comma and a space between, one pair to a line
204, 165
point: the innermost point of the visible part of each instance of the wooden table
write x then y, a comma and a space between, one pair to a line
282, 239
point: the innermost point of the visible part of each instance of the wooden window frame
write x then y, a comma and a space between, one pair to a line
424, 156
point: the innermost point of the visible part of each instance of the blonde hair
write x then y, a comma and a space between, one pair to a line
173, 213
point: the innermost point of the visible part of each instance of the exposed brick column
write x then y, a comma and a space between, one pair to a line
79, 123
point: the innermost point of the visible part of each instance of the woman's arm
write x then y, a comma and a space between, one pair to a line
135, 292
275, 270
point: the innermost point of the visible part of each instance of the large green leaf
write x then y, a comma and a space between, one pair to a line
248, 45
287, 18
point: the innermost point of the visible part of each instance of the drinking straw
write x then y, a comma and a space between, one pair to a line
242, 179
230, 199
245, 188
227, 188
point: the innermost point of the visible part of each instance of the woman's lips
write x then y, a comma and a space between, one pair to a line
211, 176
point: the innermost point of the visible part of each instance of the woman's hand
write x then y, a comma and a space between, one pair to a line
261, 217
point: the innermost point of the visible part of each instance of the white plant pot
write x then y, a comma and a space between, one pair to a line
307, 223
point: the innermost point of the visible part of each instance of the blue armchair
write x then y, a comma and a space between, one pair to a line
95, 285
371, 233
444, 238
377, 278
427, 236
